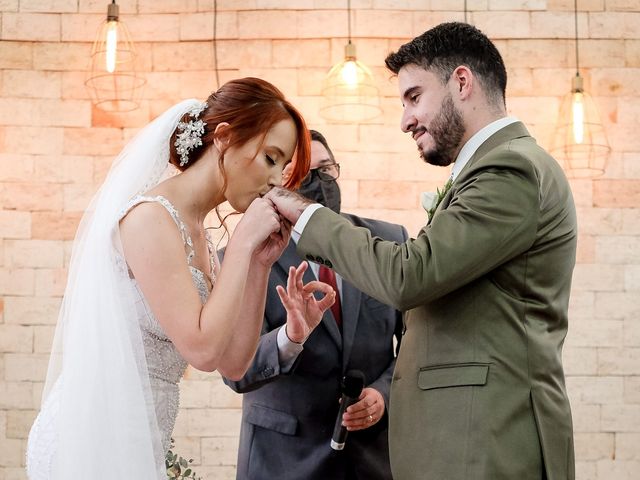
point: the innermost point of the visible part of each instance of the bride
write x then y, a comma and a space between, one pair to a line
145, 294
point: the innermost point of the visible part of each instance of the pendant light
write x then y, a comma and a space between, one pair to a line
580, 141
349, 92
112, 80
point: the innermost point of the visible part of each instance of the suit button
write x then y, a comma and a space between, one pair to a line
320, 260
328, 263
310, 257
267, 372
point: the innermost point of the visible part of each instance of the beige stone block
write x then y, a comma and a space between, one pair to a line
63, 169
581, 305
76, 197
377, 23
521, 53
92, 141
618, 249
213, 422
327, 24
223, 397
31, 84
269, 24
45, 112
16, 338
517, 4
19, 367
616, 193
614, 24
584, 5
33, 253
54, 225
16, 55
455, 5
15, 224
598, 277
586, 418
219, 451
240, 53
508, 25
631, 167
298, 53
167, 6
205, 5
19, 423
595, 390
582, 190
601, 333
9, 5
627, 446
199, 26
310, 81
424, 20
15, 395
618, 469
182, 56
61, 56
388, 194
532, 110
50, 282
632, 277
189, 449
619, 361
16, 281
576, 360
12, 452
15, 168
586, 470
586, 251
373, 166
99, 6
49, 6
599, 221
35, 140
31, 197
632, 390
617, 305
381, 138
43, 338
594, 446
632, 53
25, 310
284, 4
195, 394
557, 24
135, 118
218, 472
614, 81
44, 27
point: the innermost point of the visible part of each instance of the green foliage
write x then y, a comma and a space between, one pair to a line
439, 196
178, 467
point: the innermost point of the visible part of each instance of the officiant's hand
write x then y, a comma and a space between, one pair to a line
367, 411
304, 311
289, 204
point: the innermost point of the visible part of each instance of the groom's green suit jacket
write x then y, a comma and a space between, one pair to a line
478, 390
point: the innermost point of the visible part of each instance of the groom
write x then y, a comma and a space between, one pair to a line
478, 391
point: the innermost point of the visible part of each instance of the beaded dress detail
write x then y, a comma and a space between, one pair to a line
165, 364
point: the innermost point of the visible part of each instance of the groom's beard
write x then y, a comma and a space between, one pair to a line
447, 130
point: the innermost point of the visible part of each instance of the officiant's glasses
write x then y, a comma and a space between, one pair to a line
328, 172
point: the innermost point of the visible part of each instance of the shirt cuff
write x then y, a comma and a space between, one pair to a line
288, 351
298, 228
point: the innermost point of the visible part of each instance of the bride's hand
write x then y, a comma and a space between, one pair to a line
304, 311
272, 247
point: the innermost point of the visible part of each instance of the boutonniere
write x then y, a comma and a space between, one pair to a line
436, 198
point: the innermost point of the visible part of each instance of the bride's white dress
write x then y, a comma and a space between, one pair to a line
165, 364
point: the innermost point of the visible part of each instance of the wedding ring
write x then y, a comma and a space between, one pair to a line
370, 418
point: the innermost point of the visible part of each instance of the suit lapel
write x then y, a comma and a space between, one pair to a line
351, 298
290, 258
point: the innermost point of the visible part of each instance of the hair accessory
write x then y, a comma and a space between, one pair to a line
190, 133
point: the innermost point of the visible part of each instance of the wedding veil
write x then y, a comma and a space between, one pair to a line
106, 424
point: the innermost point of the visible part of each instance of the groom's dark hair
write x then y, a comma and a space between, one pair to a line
447, 46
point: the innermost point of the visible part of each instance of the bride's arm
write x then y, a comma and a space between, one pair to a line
155, 254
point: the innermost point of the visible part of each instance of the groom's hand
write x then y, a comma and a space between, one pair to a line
289, 204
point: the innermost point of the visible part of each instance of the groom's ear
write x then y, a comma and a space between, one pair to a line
221, 136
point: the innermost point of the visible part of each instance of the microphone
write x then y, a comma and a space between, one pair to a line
352, 385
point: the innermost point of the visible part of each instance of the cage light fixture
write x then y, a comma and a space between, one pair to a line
112, 79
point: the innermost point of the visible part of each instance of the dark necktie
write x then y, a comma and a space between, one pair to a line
327, 276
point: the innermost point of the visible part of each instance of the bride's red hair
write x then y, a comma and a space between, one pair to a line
251, 106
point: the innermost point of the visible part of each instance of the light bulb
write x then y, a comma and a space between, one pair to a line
112, 45
350, 73
578, 117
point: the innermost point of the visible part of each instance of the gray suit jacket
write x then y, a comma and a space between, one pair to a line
478, 391
288, 417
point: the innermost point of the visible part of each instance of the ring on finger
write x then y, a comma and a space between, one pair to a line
370, 417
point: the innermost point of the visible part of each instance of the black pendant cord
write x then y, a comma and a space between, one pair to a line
349, 19
575, 13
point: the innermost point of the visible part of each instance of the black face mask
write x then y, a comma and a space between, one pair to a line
325, 193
